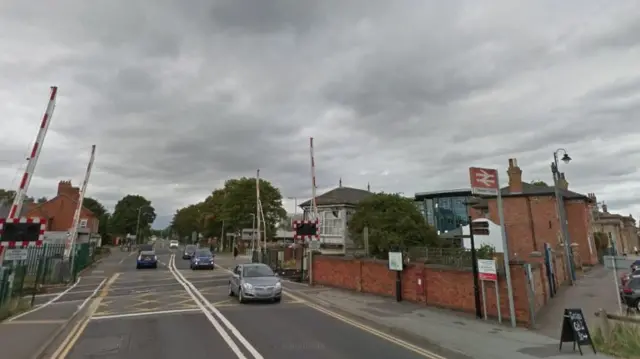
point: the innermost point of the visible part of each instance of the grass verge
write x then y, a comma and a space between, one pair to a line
624, 341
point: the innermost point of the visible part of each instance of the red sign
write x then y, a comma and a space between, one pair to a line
484, 181
488, 276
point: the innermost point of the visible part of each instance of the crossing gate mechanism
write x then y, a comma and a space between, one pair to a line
21, 232
306, 230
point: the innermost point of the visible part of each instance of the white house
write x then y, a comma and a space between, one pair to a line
494, 238
334, 211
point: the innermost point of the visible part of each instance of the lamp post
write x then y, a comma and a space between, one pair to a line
561, 210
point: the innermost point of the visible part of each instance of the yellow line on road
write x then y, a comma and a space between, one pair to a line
75, 333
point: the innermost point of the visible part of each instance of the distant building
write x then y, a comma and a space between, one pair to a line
444, 210
59, 212
334, 211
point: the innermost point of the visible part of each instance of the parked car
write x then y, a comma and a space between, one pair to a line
631, 293
147, 259
174, 244
635, 265
202, 258
627, 276
255, 281
189, 250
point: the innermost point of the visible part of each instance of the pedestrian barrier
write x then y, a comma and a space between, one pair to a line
44, 266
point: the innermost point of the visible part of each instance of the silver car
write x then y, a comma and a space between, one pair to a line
255, 281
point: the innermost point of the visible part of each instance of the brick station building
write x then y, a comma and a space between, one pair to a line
531, 219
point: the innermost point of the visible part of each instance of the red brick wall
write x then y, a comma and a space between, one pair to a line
532, 221
442, 286
578, 213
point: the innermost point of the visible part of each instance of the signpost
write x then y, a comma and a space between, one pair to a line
396, 265
487, 272
485, 182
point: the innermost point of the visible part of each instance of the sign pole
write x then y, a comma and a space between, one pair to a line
498, 300
505, 246
475, 271
484, 299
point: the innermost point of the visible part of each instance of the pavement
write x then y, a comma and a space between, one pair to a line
595, 290
120, 312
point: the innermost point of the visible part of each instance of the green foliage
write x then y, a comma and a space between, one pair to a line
103, 216
601, 240
486, 251
393, 221
7, 196
125, 216
233, 205
624, 341
539, 183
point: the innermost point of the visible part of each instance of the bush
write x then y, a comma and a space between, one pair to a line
624, 341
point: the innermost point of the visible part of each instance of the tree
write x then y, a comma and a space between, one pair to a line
231, 207
236, 204
125, 216
7, 196
539, 183
188, 219
393, 222
101, 213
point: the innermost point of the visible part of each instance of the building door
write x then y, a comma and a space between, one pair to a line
548, 264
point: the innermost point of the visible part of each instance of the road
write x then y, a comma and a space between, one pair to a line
173, 311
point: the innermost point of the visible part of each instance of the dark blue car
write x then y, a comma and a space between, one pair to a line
202, 258
147, 259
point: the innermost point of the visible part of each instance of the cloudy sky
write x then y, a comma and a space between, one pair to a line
179, 96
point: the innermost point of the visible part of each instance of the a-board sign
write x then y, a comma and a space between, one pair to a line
16, 254
575, 330
487, 270
395, 261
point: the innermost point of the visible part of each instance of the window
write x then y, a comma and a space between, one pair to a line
330, 224
83, 223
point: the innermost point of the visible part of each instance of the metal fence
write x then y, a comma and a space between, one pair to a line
43, 266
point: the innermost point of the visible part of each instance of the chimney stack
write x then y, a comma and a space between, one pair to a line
340, 182
368, 187
562, 181
65, 188
515, 176
604, 208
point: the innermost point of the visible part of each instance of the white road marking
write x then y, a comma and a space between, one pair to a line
53, 300
142, 314
201, 301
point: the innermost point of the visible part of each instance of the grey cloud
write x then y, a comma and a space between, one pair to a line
406, 95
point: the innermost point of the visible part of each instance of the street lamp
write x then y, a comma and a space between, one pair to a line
561, 210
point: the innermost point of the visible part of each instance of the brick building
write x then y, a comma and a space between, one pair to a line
621, 230
60, 209
531, 216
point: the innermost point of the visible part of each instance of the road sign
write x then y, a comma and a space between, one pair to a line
314, 245
484, 181
487, 269
16, 254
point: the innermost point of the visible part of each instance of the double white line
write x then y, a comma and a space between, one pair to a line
209, 311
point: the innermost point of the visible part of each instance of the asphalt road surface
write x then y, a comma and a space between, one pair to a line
172, 312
